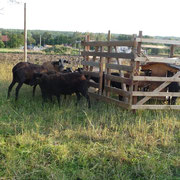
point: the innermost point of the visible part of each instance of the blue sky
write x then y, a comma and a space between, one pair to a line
153, 17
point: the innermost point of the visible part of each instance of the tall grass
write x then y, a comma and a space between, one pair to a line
74, 142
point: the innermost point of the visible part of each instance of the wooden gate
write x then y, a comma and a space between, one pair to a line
103, 61
162, 65
106, 58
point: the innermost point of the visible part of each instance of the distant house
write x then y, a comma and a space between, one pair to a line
123, 49
4, 38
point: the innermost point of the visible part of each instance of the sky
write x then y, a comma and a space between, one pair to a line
153, 17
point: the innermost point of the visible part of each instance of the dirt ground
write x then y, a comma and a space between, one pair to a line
38, 58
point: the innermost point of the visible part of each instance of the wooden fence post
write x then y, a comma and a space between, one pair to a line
132, 99
101, 71
172, 51
87, 48
137, 64
108, 82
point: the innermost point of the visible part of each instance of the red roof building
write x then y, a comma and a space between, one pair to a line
4, 38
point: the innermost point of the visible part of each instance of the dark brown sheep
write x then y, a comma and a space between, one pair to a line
62, 83
22, 74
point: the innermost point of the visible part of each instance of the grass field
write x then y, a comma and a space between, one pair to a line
74, 142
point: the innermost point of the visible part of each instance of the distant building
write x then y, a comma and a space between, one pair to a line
123, 49
4, 38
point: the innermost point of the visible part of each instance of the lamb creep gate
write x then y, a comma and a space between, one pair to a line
106, 58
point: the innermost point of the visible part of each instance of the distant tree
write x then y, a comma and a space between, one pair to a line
2, 44
30, 39
155, 51
36, 37
124, 37
46, 37
16, 40
100, 37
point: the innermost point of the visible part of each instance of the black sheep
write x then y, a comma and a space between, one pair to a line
173, 87
23, 73
62, 83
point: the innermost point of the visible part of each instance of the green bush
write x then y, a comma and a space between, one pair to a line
2, 44
61, 49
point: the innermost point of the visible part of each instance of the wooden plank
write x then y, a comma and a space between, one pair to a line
90, 73
158, 89
109, 55
109, 43
109, 100
93, 84
155, 79
101, 71
159, 60
154, 46
137, 66
171, 51
90, 63
118, 79
86, 48
155, 94
94, 58
117, 91
177, 107
158, 41
119, 62
108, 71
133, 63
119, 67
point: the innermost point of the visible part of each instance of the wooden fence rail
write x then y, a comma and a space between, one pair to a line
109, 55
109, 43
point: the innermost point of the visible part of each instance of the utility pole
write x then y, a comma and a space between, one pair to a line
25, 35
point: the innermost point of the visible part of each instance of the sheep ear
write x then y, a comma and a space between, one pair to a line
60, 62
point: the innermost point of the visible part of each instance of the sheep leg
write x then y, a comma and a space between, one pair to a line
50, 97
173, 100
34, 89
44, 97
17, 89
58, 99
10, 87
88, 100
78, 97
87, 97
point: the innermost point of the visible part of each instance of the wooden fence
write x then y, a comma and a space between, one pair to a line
104, 57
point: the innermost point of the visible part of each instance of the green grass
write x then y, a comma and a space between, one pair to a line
16, 50
11, 50
74, 142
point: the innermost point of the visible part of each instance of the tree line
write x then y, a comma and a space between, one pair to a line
41, 37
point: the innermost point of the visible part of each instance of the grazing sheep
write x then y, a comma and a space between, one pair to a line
62, 83
22, 74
